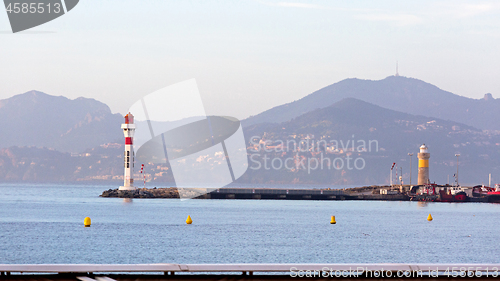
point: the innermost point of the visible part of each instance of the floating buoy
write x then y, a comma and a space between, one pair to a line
429, 218
189, 220
333, 220
86, 222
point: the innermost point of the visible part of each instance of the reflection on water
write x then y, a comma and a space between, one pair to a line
422, 204
127, 200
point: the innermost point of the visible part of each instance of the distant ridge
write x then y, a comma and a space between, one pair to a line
37, 119
398, 93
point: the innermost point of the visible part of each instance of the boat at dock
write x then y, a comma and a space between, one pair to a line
426, 192
448, 195
481, 190
490, 194
439, 193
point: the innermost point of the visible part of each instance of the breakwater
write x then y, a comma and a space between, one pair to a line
360, 193
380, 193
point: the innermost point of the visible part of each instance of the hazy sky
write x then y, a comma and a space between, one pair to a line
249, 56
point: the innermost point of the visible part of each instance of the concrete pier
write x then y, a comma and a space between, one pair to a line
280, 194
262, 193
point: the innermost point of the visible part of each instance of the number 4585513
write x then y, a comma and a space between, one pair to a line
33, 8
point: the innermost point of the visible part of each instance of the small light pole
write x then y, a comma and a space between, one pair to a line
392, 167
456, 177
411, 158
391, 178
401, 176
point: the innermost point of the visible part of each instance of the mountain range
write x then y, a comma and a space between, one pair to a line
398, 93
37, 119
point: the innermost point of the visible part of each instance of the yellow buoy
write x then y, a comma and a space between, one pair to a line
86, 222
333, 220
189, 220
429, 218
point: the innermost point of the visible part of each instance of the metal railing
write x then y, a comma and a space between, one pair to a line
342, 270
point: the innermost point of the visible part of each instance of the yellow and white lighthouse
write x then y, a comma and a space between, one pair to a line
423, 165
128, 156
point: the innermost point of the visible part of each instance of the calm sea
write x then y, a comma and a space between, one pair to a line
44, 224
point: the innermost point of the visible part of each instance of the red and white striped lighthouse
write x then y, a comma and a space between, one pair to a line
128, 156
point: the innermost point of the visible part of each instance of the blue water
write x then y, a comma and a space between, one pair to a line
44, 224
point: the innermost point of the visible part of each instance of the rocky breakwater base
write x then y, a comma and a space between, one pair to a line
168, 192
171, 192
